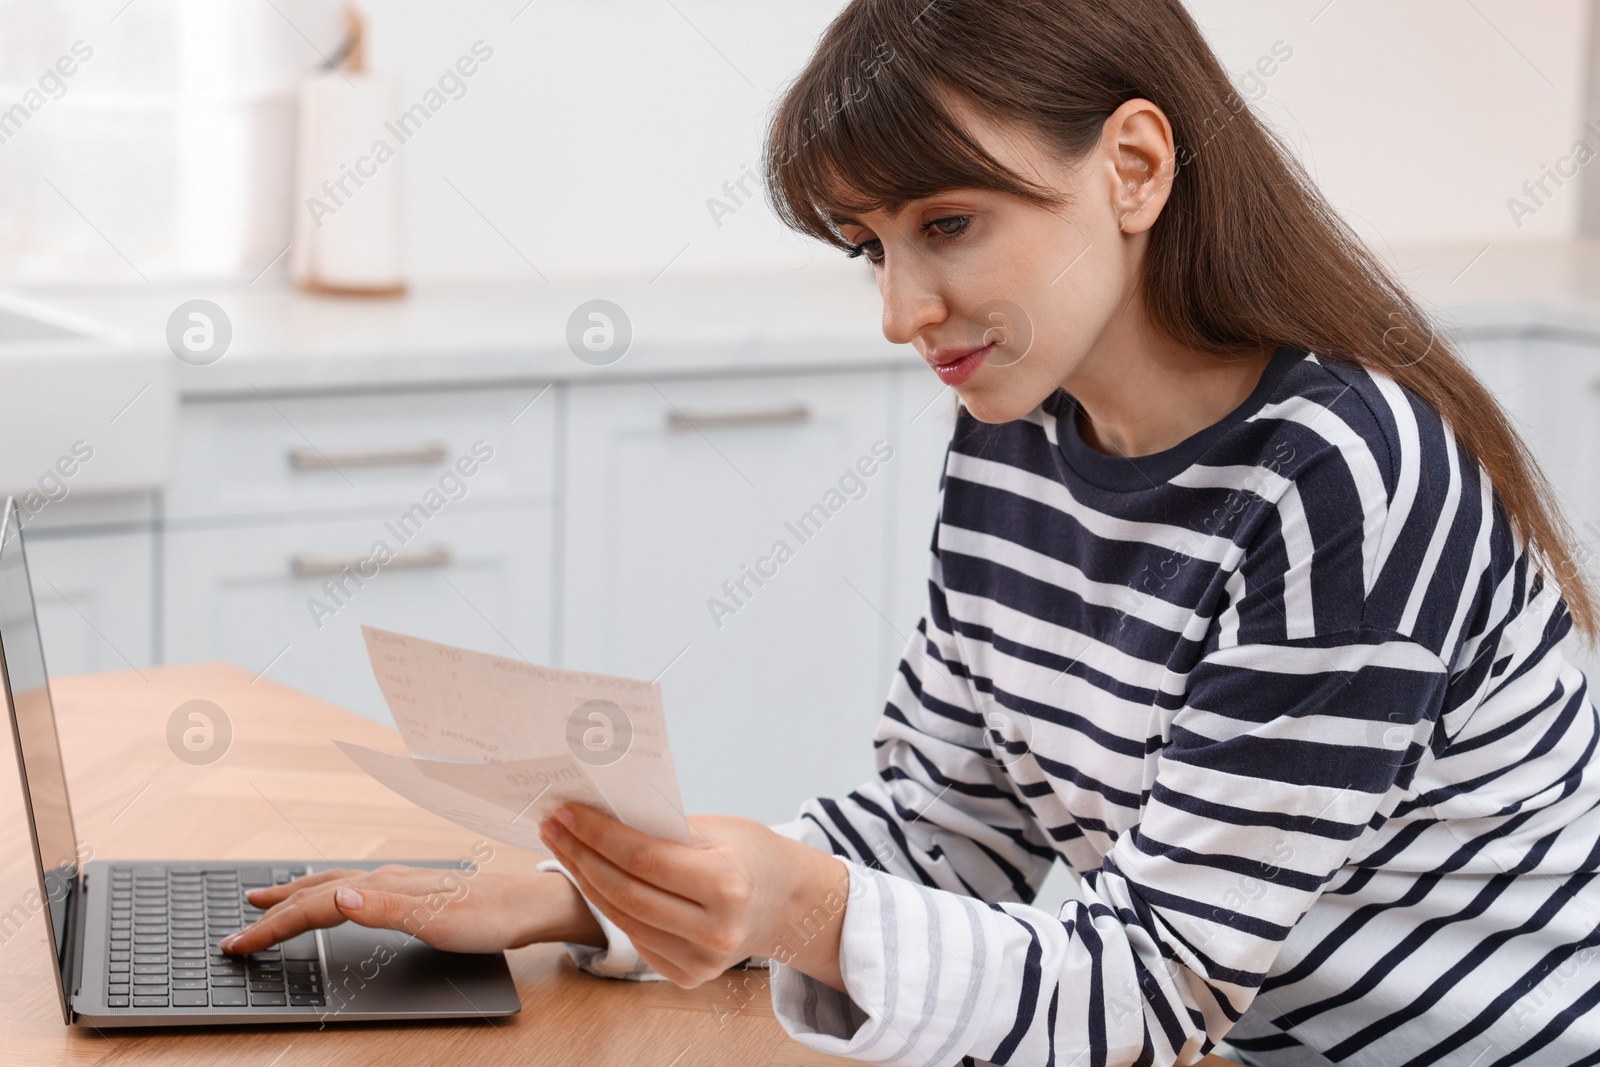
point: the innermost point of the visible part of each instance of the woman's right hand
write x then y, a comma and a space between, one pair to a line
447, 908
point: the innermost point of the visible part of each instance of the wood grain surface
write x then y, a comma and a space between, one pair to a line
282, 791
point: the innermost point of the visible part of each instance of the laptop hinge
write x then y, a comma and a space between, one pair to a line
71, 969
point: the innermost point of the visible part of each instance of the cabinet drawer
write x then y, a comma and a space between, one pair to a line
304, 455
727, 537
281, 600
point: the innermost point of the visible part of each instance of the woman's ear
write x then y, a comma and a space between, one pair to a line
1139, 139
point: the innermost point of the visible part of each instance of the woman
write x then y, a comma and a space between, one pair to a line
1244, 601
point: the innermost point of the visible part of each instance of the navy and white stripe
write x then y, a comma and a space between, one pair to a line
1287, 697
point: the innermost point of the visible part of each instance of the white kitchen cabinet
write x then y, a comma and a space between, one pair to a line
921, 423
318, 454
244, 594
720, 535
94, 596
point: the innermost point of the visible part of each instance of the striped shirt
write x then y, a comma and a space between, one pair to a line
1287, 697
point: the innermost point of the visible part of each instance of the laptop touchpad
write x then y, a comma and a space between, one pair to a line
388, 971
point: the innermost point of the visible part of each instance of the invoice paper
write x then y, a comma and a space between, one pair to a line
497, 744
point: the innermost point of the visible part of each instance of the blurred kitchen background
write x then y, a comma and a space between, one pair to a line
223, 382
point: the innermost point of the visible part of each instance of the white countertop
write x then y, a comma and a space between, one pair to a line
685, 324
126, 385
1498, 289
465, 333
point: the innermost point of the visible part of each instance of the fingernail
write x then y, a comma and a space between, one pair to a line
348, 898
228, 942
564, 814
250, 894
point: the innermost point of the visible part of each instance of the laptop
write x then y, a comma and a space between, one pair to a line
135, 942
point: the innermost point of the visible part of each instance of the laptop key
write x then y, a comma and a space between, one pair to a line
300, 947
305, 1002
229, 998
150, 1002
117, 1002
272, 1000
226, 980
188, 983
189, 999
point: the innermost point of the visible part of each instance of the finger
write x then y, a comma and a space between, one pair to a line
675, 867
415, 914
307, 910
634, 896
313, 908
683, 962
267, 895
392, 876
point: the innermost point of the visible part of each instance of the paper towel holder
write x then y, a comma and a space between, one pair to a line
310, 269
352, 54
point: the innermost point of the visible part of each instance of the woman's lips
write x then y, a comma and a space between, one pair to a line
960, 369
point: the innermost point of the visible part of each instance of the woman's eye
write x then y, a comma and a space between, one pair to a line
957, 224
948, 228
865, 247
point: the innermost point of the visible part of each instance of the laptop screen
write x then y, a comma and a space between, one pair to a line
44, 783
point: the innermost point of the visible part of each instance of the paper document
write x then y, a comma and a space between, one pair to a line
497, 744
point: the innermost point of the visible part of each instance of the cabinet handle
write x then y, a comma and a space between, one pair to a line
678, 420
306, 459
306, 566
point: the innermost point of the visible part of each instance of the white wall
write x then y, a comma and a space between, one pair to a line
602, 126
595, 136
593, 139
1420, 119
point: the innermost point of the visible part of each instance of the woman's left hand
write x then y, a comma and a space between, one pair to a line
692, 911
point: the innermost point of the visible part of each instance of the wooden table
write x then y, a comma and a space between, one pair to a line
282, 791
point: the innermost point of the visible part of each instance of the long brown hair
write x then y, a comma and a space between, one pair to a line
1246, 253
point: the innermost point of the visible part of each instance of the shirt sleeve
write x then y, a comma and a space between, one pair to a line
618, 959
1283, 749
1251, 812
941, 813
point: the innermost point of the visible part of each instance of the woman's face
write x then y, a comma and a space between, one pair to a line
1008, 300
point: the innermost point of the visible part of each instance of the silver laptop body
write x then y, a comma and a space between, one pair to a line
135, 942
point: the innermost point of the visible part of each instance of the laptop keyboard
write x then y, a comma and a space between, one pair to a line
165, 925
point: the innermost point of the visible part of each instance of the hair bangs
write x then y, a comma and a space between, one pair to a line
839, 145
